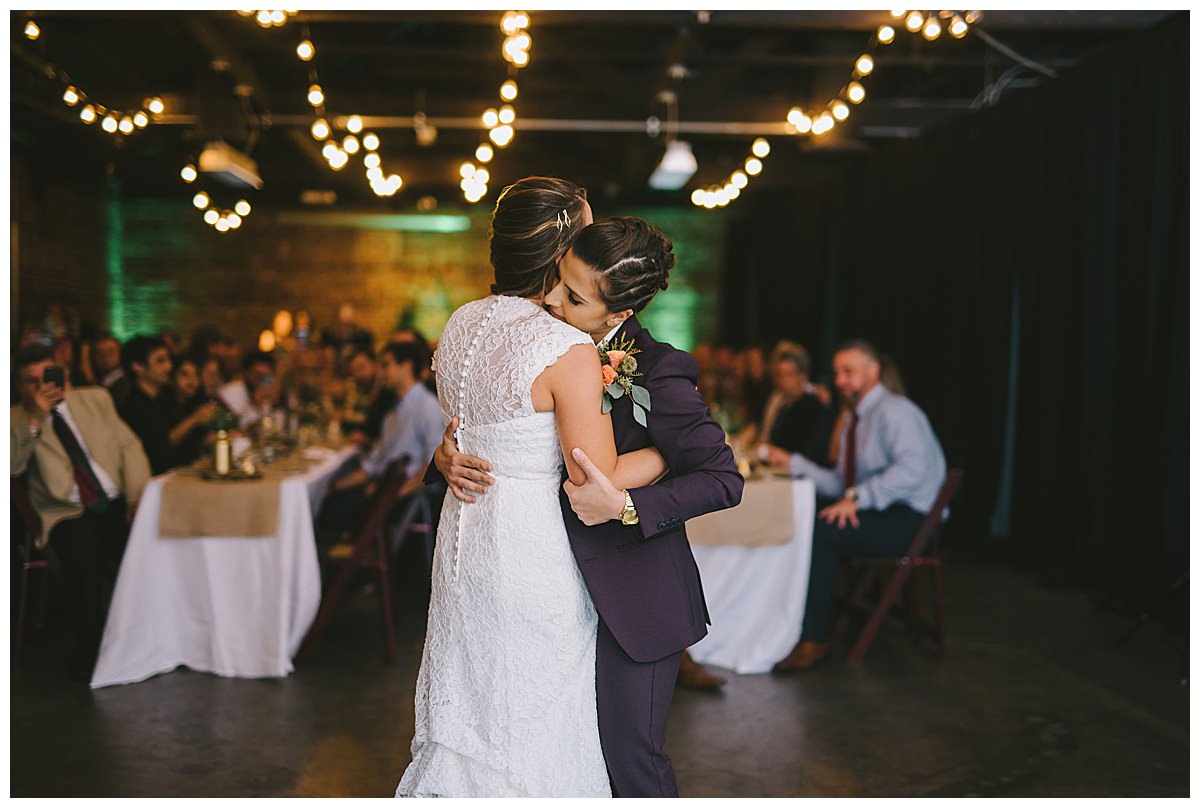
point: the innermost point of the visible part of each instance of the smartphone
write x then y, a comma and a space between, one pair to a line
55, 374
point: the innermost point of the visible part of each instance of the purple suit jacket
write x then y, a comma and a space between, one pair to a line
643, 578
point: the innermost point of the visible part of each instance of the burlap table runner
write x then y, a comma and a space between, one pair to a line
193, 507
764, 518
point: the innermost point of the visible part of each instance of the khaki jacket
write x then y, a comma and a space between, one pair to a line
111, 443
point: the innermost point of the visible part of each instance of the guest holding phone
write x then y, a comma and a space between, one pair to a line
85, 470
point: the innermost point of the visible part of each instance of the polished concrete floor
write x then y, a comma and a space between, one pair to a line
1033, 699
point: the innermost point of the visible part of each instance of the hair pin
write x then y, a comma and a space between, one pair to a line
563, 220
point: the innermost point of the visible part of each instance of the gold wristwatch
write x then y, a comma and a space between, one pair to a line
629, 512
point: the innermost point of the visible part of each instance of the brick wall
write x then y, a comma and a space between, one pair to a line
136, 265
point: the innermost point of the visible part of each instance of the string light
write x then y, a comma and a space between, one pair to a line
508, 90
88, 114
799, 120
305, 50
140, 119
71, 96
507, 114
371, 160
211, 216
31, 30
914, 21
958, 27
350, 144
354, 124
320, 129
491, 118
188, 173
898, 14
370, 141
886, 34
855, 92
242, 207
501, 135
840, 110
864, 65
315, 95
760, 147
109, 124
155, 105
201, 200
126, 125
329, 149
754, 166
932, 29
484, 153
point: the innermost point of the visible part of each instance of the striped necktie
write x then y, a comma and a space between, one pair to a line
91, 493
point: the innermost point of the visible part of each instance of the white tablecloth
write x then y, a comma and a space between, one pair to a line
230, 606
756, 595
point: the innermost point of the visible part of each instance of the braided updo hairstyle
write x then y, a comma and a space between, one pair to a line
631, 258
533, 225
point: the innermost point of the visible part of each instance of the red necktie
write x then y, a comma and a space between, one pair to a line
848, 468
91, 494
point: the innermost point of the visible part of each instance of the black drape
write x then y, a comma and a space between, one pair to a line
1069, 201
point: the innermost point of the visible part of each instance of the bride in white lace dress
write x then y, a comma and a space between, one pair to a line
506, 695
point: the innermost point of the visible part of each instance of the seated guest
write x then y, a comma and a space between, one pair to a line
793, 410
888, 475
252, 397
86, 471
147, 406
190, 411
209, 368
412, 428
64, 355
106, 367
362, 389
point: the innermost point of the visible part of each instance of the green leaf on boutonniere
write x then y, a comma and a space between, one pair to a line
615, 390
641, 396
605, 405
639, 415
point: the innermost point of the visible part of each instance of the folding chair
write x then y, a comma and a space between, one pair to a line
31, 559
368, 549
867, 574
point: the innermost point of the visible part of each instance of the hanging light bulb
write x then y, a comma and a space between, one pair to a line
200, 200
211, 216
739, 180
234, 221
840, 110
88, 114
354, 124
973, 17
71, 96
501, 135
109, 124
339, 160
371, 160
222, 226
263, 18
466, 170
914, 21
753, 166
797, 118
320, 129
140, 120
898, 14
508, 90
698, 197
370, 141
278, 18
760, 147
932, 29
886, 34
31, 30
315, 96
958, 27
305, 50
507, 114
329, 149
482, 176
375, 173
491, 118
484, 153
188, 173
350, 144
864, 65
126, 125
155, 105
855, 92
242, 207
823, 123
521, 59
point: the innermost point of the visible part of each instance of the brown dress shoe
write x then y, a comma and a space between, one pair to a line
693, 674
805, 655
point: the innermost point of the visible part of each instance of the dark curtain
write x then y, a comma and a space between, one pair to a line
1072, 197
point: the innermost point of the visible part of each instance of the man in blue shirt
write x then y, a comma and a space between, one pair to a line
412, 428
890, 468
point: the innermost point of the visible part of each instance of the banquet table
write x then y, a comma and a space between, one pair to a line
755, 584
229, 605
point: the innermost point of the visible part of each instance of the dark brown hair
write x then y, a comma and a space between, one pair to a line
534, 223
631, 258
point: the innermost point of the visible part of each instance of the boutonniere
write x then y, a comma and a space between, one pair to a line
618, 369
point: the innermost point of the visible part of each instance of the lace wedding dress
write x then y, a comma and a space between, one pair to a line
506, 696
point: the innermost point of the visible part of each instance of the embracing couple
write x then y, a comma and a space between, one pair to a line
560, 610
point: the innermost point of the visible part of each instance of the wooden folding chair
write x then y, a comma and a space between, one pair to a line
867, 574
31, 559
368, 549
